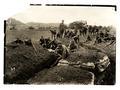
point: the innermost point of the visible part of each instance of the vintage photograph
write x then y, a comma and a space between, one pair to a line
61, 45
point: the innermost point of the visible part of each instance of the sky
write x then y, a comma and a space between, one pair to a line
54, 14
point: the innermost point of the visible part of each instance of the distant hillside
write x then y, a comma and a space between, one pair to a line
37, 25
13, 24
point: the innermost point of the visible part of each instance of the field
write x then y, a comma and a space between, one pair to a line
26, 34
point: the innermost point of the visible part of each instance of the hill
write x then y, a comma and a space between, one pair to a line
38, 25
13, 24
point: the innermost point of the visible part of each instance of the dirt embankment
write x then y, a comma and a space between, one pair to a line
22, 62
63, 75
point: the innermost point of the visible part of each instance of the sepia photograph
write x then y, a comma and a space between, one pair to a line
49, 45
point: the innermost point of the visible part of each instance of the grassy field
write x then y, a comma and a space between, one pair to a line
35, 35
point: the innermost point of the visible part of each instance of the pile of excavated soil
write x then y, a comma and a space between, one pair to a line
25, 64
22, 62
63, 75
85, 55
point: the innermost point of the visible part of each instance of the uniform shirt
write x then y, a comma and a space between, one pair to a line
63, 51
62, 27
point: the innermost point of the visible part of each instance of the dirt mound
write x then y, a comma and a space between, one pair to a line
63, 75
22, 62
89, 53
85, 55
25, 64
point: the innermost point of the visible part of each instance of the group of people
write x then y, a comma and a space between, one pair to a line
97, 33
57, 46
26, 41
48, 43
105, 37
74, 36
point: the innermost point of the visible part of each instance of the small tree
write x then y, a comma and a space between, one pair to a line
77, 24
31, 27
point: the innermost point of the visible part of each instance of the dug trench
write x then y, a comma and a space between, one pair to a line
108, 77
23, 65
22, 62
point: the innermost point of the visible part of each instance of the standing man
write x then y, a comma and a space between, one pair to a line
62, 29
53, 34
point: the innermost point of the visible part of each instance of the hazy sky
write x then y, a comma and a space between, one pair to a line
54, 14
